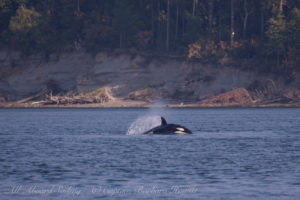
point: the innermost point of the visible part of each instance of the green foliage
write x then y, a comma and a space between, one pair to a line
277, 34
25, 20
293, 29
24, 28
49, 26
294, 26
4, 4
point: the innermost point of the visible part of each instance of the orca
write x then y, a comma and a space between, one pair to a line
168, 129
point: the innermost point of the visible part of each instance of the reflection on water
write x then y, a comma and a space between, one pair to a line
86, 154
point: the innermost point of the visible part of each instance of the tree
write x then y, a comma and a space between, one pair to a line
293, 36
210, 16
172, 25
124, 21
195, 3
276, 34
262, 19
24, 28
25, 20
247, 13
168, 26
6, 11
177, 21
281, 3
231, 21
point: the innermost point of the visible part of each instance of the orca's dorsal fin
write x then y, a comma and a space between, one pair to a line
163, 121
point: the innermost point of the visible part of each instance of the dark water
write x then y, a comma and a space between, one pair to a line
86, 154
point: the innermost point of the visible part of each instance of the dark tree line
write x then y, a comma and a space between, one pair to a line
199, 29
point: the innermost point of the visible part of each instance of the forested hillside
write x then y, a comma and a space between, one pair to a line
267, 31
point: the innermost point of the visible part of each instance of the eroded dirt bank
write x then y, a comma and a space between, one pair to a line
79, 79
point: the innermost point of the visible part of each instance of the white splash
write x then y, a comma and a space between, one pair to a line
144, 123
149, 120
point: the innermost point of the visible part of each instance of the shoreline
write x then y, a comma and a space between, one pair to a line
148, 105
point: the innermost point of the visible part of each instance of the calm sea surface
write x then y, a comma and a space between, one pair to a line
86, 154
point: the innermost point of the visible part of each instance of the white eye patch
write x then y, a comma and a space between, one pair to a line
180, 129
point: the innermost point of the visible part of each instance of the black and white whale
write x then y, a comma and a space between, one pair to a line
168, 129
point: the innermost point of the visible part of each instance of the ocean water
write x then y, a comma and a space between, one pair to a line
99, 154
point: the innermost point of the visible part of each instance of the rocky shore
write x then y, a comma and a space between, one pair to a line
239, 97
117, 80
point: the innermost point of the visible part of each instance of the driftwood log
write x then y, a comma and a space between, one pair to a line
79, 99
